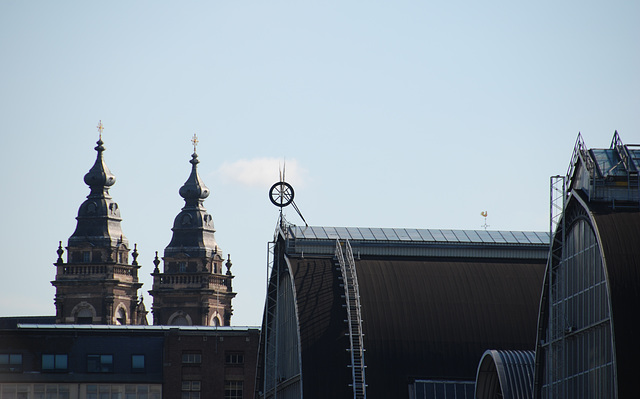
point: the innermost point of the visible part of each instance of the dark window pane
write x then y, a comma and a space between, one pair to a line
430, 390
450, 391
137, 362
48, 362
419, 390
471, 388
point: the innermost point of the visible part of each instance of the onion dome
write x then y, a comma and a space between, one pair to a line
193, 190
99, 178
99, 216
193, 229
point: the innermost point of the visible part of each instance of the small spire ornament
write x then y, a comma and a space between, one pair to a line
100, 128
195, 142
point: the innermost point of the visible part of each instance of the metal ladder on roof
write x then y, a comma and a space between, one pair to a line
354, 319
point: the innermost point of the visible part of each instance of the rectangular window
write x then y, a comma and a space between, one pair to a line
64, 392
191, 358
121, 391
233, 389
137, 363
10, 362
234, 358
130, 392
92, 391
191, 389
86, 256
52, 362
38, 391
8, 391
100, 363
23, 391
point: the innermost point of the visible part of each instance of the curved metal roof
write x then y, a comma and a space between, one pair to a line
619, 235
505, 374
421, 319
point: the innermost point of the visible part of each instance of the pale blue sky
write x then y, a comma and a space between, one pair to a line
389, 114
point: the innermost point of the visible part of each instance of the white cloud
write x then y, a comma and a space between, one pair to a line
262, 172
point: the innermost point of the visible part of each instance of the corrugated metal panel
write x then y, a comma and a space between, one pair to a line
421, 319
618, 233
506, 374
620, 237
322, 328
435, 319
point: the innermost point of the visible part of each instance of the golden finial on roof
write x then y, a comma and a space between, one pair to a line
194, 140
100, 128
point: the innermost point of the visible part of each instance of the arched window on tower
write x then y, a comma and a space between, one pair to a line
180, 321
85, 316
179, 318
121, 317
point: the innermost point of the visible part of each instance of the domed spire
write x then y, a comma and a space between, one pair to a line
193, 230
99, 178
99, 216
193, 190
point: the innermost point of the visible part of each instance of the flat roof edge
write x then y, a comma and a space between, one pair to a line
97, 327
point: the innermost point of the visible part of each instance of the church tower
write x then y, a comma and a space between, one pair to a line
192, 289
97, 285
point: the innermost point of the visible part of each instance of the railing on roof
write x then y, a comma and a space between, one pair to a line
580, 152
190, 280
608, 175
623, 153
70, 270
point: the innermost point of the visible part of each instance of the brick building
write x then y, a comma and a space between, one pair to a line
132, 362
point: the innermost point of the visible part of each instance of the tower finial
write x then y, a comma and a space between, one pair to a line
194, 140
100, 128
60, 251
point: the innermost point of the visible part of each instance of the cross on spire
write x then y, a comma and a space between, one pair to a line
100, 128
194, 140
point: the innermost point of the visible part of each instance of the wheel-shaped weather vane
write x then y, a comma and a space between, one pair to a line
281, 194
